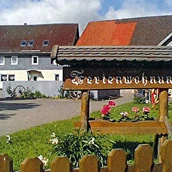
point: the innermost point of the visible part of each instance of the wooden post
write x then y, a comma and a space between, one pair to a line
61, 164
6, 163
85, 101
32, 164
89, 163
143, 158
163, 112
166, 154
117, 160
163, 104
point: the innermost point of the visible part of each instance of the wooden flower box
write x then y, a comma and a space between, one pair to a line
140, 127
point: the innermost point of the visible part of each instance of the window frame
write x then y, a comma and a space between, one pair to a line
43, 43
23, 43
33, 63
57, 77
3, 61
30, 43
55, 63
11, 75
12, 62
3, 76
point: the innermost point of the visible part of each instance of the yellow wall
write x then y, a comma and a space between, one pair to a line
22, 75
49, 75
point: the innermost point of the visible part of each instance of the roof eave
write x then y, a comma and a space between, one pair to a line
111, 53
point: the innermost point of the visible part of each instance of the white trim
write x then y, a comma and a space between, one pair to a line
3, 60
170, 44
30, 43
164, 40
12, 62
33, 63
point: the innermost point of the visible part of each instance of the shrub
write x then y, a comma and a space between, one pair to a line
75, 146
10, 91
27, 95
37, 94
43, 96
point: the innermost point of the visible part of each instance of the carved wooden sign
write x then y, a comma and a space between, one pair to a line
111, 78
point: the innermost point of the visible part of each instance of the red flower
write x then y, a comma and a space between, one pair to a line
146, 110
105, 110
135, 109
111, 103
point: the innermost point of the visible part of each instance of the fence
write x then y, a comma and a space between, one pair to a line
117, 162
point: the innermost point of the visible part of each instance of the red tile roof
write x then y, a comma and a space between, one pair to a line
57, 34
133, 31
107, 33
123, 34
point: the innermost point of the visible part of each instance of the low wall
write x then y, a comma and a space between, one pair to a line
49, 88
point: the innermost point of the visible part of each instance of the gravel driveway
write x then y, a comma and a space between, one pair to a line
16, 115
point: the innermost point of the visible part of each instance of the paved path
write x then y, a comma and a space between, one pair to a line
16, 115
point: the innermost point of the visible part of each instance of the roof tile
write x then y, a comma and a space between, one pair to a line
133, 31
57, 34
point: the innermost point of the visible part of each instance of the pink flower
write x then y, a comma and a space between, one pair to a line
135, 109
105, 110
146, 110
111, 103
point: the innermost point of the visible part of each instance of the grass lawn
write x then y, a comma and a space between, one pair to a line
36, 141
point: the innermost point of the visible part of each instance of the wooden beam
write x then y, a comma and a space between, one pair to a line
163, 104
85, 102
163, 112
142, 127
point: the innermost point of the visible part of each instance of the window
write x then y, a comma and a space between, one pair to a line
56, 77
35, 60
30, 43
3, 77
14, 60
45, 43
55, 62
11, 77
23, 43
2, 60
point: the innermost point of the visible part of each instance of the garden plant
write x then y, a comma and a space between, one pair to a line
133, 114
50, 140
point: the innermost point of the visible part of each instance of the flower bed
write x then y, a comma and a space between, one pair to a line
134, 116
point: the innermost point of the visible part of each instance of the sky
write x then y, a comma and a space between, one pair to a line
18, 12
